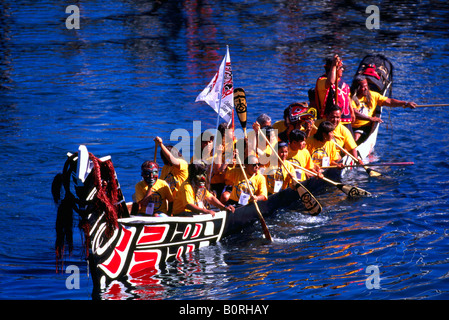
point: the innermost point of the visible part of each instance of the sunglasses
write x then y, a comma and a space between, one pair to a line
256, 164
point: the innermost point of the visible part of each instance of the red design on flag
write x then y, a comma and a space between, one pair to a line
219, 92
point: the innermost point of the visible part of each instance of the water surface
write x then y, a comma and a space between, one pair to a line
129, 74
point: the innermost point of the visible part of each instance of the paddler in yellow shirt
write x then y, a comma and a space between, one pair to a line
321, 147
277, 176
153, 195
259, 145
240, 193
299, 155
342, 136
365, 102
203, 148
224, 148
175, 169
193, 197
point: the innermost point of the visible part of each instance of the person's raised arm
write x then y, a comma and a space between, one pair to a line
332, 75
168, 155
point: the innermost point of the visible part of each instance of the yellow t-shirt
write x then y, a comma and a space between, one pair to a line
303, 159
161, 193
279, 126
278, 178
174, 176
186, 195
236, 178
319, 151
342, 136
217, 177
368, 109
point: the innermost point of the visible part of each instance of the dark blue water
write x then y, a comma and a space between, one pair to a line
127, 75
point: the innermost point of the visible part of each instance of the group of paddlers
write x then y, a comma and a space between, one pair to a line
226, 172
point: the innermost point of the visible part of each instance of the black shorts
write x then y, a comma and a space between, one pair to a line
363, 130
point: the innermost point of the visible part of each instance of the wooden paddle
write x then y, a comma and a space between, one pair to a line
351, 191
368, 170
385, 164
309, 201
432, 105
261, 219
155, 152
336, 84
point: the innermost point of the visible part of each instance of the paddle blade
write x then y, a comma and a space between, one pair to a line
372, 173
309, 201
266, 232
353, 192
240, 106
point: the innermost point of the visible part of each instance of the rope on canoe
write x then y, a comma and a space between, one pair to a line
105, 200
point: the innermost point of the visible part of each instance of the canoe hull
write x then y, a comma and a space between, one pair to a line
141, 244
123, 246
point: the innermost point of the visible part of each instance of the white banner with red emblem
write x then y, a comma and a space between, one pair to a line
222, 103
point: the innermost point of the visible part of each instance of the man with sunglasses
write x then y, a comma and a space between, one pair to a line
153, 195
240, 193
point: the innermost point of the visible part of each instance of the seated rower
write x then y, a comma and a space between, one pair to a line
342, 136
277, 176
223, 158
202, 153
259, 146
153, 196
264, 120
322, 147
174, 171
193, 197
299, 155
240, 193
203, 148
365, 102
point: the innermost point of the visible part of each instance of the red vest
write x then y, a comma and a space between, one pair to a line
344, 100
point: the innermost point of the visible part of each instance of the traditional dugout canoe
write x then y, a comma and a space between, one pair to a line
119, 245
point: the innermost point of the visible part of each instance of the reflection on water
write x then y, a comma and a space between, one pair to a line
202, 270
311, 257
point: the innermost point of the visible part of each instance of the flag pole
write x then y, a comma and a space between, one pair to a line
218, 115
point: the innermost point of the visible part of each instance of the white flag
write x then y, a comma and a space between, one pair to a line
222, 103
